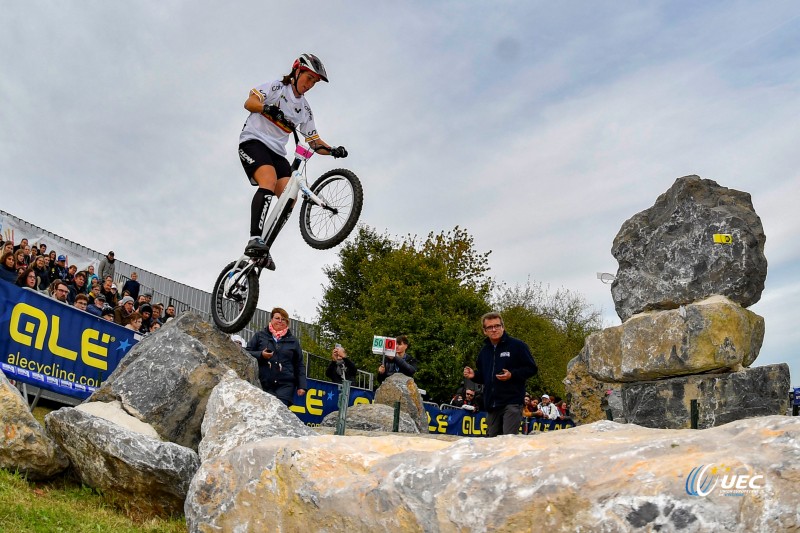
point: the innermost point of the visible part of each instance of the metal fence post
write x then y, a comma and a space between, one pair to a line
396, 422
344, 397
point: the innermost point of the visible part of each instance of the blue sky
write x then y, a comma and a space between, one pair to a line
537, 126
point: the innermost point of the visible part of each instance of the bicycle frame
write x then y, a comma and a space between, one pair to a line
278, 216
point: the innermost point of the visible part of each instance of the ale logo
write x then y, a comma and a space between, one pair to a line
29, 326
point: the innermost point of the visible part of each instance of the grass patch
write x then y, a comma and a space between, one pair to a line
64, 505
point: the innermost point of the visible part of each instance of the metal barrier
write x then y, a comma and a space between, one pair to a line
316, 366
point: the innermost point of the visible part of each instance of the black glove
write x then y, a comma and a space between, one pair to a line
338, 152
274, 112
278, 116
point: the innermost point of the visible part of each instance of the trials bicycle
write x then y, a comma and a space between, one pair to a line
328, 213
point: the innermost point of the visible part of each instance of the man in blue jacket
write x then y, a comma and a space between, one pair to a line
504, 365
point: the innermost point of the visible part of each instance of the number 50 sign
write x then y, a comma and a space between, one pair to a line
384, 345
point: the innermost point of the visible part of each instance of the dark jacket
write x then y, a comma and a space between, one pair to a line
513, 355
286, 364
121, 316
350, 371
133, 289
44, 278
56, 272
111, 297
404, 365
8, 274
74, 290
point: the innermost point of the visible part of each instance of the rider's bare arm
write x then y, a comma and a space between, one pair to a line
254, 102
318, 145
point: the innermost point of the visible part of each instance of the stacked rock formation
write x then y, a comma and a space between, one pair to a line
689, 266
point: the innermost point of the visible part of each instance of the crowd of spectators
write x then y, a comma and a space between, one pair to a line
470, 397
36, 268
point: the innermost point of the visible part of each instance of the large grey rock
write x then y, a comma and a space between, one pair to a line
667, 256
165, 380
113, 412
721, 398
218, 344
401, 388
238, 413
589, 399
372, 417
144, 473
599, 477
714, 334
25, 447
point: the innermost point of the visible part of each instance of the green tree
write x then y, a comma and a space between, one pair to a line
386, 288
456, 250
347, 281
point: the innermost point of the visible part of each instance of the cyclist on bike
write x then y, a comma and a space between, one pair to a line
276, 109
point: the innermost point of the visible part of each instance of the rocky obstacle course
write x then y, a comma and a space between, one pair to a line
260, 469
598, 477
166, 379
668, 257
146, 473
688, 268
379, 415
25, 446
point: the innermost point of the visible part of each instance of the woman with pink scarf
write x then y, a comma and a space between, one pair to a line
281, 370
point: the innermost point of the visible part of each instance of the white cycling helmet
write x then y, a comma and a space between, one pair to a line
311, 63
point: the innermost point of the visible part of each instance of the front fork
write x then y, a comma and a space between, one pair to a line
316, 199
240, 270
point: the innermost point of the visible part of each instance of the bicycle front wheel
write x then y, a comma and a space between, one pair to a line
325, 227
234, 298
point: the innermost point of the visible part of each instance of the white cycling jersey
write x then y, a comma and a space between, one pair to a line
265, 129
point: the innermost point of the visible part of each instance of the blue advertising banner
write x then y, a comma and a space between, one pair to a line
469, 424
55, 346
796, 397
322, 398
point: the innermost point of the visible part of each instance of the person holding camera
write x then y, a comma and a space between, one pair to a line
281, 370
401, 362
340, 366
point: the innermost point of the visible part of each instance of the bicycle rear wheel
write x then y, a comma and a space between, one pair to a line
325, 228
234, 303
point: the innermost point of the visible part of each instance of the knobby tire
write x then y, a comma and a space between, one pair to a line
320, 228
232, 316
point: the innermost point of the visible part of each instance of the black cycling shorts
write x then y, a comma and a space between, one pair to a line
254, 154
